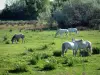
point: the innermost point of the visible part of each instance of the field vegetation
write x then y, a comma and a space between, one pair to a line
41, 54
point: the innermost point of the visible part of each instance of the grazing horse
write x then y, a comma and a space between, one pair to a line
87, 45
61, 31
73, 30
16, 37
71, 45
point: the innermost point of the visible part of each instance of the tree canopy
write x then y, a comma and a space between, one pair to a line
66, 13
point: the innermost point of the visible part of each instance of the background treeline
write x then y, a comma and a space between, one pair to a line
63, 13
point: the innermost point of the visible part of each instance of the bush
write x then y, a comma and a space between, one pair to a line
95, 50
84, 53
19, 68
70, 63
49, 66
10, 30
7, 42
30, 49
44, 47
33, 61
44, 56
52, 43
65, 61
5, 38
57, 53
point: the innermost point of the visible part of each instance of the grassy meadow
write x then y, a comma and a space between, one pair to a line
38, 54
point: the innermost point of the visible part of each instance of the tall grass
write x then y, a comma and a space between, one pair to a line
42, 51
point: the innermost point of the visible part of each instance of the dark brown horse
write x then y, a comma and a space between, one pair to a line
16, 38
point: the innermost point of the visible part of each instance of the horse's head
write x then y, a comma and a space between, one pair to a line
13, 38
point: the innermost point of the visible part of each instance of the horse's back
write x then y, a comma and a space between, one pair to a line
72, 29
69, 44
63, 29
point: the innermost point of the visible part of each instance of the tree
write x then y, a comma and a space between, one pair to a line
24, 9
76, 12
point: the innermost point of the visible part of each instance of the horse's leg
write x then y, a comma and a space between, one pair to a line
63, 49
22, 40
16, 41
76, 32
66, 50
66, 33
56, 34
75, 52
90, 49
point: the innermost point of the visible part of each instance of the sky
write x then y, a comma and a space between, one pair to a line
2, 4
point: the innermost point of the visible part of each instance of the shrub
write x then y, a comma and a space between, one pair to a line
5, 38
44, 47
30, 49
65, 61
52, 43
70, 63
23, 53
85, 60
19, 68
44, 56
95, 50
57, 53
84, 53
10, 30
98, 68
49, 66
33, 61
7, 42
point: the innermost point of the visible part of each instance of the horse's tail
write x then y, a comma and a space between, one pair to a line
76, 31
90, 47
63, 48
57, 33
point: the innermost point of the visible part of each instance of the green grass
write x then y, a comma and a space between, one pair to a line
45, 43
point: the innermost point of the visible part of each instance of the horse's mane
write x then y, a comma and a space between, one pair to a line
78, 40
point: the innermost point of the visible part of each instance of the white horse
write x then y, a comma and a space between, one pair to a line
61, 31
73, 30
87, 45
71, 45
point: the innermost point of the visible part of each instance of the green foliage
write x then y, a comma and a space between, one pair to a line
57, 53
84, 53
11, 53
65, 60
96, 50
7, 42
10, 30
70, 62
49, 66
24, 9
75, 12
30, 50
44, 56
19, 68
43, 47
5, 38
33, 61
